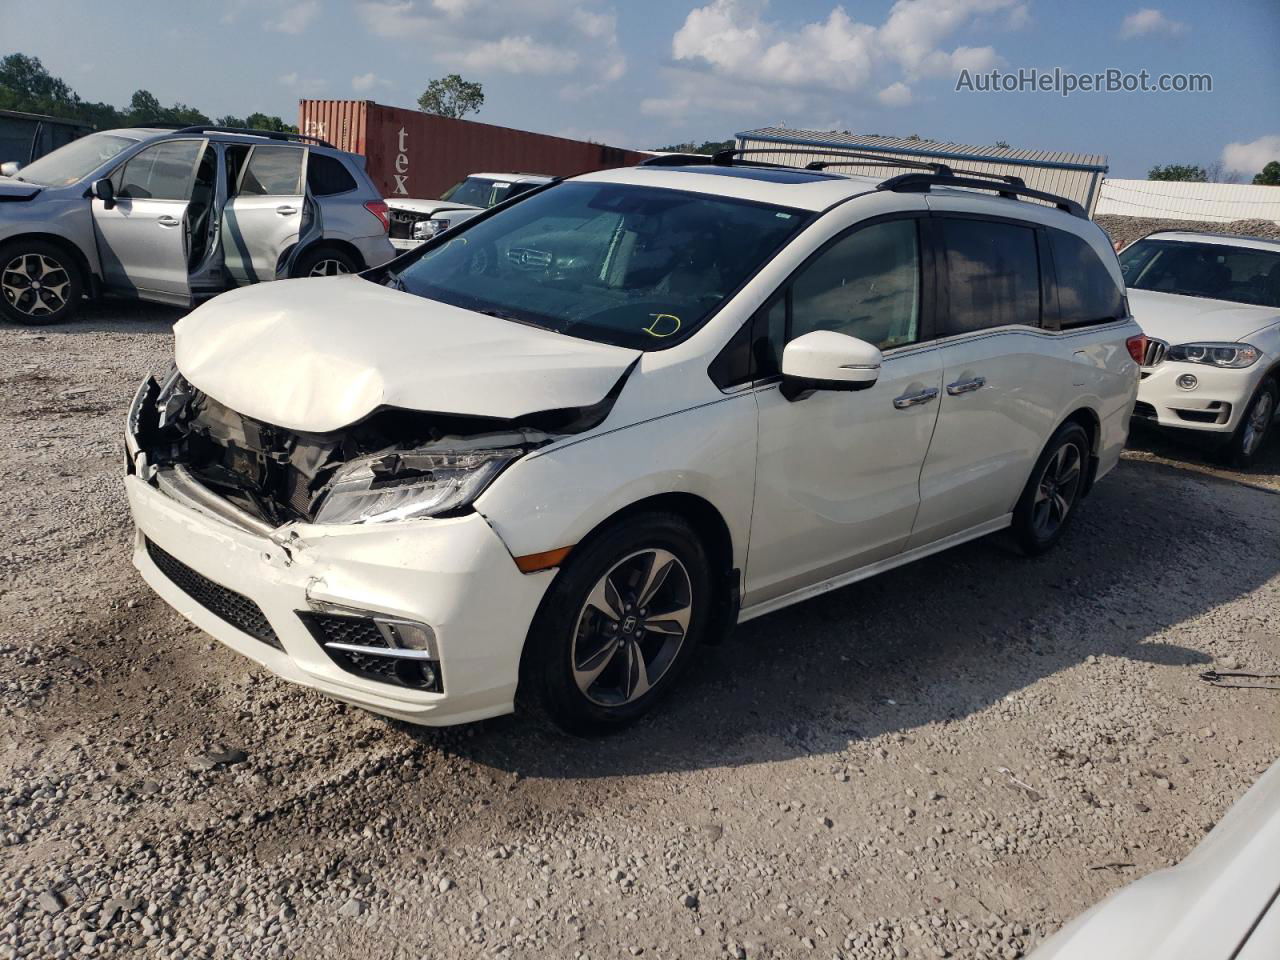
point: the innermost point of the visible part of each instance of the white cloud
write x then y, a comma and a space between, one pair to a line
364, 82
295, 18
577, 38
895, 95
773, 64
1251, 157
1149, 21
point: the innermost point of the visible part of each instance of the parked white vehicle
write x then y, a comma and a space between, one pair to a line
1210, 306
1220, 903
583, 433
413, 221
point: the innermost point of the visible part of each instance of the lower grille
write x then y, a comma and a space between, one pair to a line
1144, 410
234, 608
331, 628
337, 633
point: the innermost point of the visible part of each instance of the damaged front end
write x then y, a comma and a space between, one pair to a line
394, 464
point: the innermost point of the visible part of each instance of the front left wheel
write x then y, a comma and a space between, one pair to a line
619, 623
39, 283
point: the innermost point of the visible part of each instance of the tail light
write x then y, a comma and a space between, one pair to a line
1137, 348
380, 210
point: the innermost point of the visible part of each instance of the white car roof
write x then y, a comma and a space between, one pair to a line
512, 177
1223, 239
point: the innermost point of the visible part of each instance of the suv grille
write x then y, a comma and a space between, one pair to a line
402, 223
235, 608
1156, 349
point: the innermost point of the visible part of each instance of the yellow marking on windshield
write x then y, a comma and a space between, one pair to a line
653, 328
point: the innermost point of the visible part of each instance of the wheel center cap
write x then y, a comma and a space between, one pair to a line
35, 284
629, 625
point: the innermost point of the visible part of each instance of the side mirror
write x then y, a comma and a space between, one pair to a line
10, 168
105, 191
826, 360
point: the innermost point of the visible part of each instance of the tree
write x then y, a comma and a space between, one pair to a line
451, 96
144, 107
1270, 175
1178, 171
26, 85
261, 121
707, 146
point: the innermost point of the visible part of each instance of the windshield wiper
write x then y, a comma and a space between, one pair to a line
502, 315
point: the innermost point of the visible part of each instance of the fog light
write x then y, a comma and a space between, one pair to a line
1187, 381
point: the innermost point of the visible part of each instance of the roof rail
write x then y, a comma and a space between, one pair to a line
247, 132
923, 182
726, 158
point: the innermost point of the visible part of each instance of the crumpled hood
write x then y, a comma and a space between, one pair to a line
428, 206
11, 189
1178, 319
318, 354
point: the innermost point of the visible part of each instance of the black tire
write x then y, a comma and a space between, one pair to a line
567, 623
40, 283
1250, 436
330, 260
1053, 492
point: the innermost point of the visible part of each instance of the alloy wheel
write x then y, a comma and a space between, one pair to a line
631, 627
1056, 490
1258, 419
35, 284
328, 268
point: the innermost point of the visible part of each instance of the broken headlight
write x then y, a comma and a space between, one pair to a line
409, 484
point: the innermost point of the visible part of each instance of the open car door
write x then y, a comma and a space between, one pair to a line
264, 215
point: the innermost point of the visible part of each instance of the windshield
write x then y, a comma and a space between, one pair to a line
627, 265
472, 191
1213, 270
75, 161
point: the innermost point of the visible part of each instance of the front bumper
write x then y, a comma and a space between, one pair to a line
454, 575
1215, 405
401, 244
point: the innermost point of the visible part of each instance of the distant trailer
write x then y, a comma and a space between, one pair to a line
1077, 176
414, 154
28, 136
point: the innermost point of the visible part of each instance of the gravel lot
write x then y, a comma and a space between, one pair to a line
949, 760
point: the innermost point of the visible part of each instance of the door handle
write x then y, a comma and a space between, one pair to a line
966, 386
286, 210
915, 399
168, 221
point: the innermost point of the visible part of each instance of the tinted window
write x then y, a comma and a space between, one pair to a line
162, 172
1214, 270
628, 265
866, 285
1086, 291
754, 351
327, 176
272, 172
993, 275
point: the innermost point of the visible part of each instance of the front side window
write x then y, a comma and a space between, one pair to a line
865, 285
633, 266
163, 172
272, 172
993, 274
75, 161
1212, 270
1087, 293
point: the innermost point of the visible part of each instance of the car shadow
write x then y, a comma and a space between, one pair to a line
110, 316
932, 642
1187, 453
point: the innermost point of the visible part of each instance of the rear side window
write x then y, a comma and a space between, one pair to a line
993, 273
866, 285
1086, 292
162, 172
272, 172
327, 176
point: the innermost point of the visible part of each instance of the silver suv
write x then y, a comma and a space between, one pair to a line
177, 216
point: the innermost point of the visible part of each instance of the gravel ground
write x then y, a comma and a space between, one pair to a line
949, 760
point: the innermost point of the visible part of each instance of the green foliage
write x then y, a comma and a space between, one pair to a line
451, 96
26, 85
707, 146
1270, 175
1179, 171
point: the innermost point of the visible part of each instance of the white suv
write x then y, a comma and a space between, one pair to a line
583, 433
1210, 305
413, 221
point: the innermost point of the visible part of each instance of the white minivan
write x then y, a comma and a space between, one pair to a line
547, 454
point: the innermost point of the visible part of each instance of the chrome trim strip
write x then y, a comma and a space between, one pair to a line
381, 651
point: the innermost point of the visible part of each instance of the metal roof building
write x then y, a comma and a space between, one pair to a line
1074, 175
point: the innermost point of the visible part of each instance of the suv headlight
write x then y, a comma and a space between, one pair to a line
426, 229
410, 484
1233, 355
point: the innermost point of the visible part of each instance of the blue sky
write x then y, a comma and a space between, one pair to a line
649, 73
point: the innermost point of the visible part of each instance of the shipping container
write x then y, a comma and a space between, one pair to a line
415, 154
1073, 175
